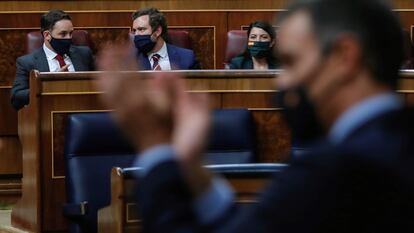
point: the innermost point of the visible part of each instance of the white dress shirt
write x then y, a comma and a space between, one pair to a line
164, 60
54, 63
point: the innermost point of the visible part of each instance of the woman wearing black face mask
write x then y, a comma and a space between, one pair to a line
259, 52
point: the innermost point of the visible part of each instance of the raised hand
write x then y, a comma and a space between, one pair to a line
142, 110
156, 108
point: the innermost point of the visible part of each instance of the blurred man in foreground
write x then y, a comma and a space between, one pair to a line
359, 179
56, 55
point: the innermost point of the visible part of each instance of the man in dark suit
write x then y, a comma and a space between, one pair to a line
150, 29
56, 55
358, 179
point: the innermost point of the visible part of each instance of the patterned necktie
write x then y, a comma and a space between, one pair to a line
60, 60
155, 59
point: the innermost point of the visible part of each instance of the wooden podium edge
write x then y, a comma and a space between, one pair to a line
26, 213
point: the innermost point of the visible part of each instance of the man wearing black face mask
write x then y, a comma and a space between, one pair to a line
150, 34
56, 55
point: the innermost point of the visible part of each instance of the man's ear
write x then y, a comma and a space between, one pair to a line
158, 31
46, 35
348, 53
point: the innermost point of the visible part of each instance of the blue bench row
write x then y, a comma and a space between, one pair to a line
94, 144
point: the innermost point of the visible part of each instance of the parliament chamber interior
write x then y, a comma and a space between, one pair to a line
65, 166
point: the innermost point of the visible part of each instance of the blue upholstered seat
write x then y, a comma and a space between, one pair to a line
93, 145
232, 137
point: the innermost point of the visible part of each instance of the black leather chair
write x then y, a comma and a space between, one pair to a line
232, 137
93, 145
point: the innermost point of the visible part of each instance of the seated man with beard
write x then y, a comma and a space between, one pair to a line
154, 53
56, 55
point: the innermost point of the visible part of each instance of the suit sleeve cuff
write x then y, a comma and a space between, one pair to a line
154, 156
212, 204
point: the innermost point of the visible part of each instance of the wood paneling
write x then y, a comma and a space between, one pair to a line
10, 156
129, 5
8, 116
26, 213
209, 42
162, 4
12, 45
10, 150
407, 19
102, 36
249, 100
237, 19
10, 191
403, 4
275, 144
204, 42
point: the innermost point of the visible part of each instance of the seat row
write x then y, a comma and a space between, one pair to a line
94, 145
236, 43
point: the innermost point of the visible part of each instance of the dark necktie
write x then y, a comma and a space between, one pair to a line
60, 60
155, 59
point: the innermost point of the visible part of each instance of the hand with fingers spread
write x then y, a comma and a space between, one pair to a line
141, 106
160, 97
157, 109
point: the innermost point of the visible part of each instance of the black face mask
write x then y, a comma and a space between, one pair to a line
144, 43
259, 49
61, 46
299, 113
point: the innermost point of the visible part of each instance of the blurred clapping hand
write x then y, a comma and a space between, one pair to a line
154, 108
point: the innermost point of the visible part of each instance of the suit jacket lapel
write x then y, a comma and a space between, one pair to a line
76, 60
40, 60
175, 60
144, 62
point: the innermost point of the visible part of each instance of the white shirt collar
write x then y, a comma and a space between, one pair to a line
163, 52
50, 54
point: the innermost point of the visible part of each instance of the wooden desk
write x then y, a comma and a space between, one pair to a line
55, 95
121, 215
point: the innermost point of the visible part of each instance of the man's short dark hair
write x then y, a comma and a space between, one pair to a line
372, 22
48, 20
156, 19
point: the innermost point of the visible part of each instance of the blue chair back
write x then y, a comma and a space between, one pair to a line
232, 137
93, 145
